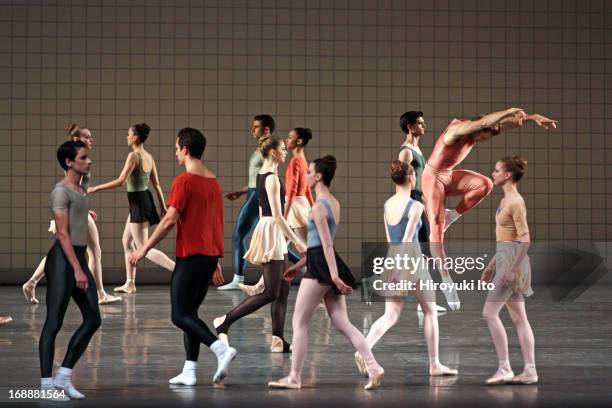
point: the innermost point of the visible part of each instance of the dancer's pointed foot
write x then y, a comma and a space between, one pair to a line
361, 365
29, 291
225, 354
501, 376
450, 216
439, 370
286, 383
279, 345
251, 290
105, 299
375, 374
128, 287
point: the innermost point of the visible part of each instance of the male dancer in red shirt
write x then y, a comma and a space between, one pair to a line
195, 206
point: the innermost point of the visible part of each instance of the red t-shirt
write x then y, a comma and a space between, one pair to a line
200, 226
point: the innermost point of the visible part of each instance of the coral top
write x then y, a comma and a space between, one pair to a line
447, 157
200, 226
295, 179
511, 220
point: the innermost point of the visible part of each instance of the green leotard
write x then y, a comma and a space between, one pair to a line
139, 179
418, 163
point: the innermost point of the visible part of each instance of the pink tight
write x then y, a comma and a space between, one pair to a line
309, 296
437, 185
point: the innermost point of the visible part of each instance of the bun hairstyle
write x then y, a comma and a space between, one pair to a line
141, 130
74, 131
269, 144
326, 167
400, 171
515, 165
304, 134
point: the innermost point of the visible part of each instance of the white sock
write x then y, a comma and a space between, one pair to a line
225, 354
49, 392
188, 375
63, 381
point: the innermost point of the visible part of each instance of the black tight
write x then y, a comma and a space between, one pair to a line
61, 285
276, 292
188, 288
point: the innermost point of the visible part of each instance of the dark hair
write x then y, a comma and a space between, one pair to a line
326, 167
304, 134
74, 130
409, 118
266, 121
68, 150
400, 171
515, 165
141, 130
193, 140
495, 129
270, 144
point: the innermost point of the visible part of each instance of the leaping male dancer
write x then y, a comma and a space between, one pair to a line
440, 178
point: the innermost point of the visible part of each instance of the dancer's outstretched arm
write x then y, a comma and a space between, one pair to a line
514, 122
470, 126
130, 164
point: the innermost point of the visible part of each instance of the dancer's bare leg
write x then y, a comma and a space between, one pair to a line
431, 331
130, 271
490, 313
140, 234
518, 314
94, 255
29, 288
393, 310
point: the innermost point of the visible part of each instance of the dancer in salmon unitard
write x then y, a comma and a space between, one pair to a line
440, 178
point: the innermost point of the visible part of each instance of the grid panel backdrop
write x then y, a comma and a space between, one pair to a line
346, 69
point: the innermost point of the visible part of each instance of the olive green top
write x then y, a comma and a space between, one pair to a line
418, 163
255, 163
138, 180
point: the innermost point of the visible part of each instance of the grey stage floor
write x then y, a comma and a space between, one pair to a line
137, 349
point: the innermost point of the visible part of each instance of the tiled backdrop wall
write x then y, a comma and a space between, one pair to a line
345, 68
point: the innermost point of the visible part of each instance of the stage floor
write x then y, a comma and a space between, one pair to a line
137, 350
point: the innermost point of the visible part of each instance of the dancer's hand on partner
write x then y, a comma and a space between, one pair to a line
234, 195
543, 121
290, 273
93, 215
81, 279
136, 256
342, 287
217, 278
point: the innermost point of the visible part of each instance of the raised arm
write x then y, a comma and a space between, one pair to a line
158, 190
514, 122
273, 191
466, 127
130, 163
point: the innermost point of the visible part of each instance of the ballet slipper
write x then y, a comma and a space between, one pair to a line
441, 370
502, 376
5, 319
128, 287
375, 376
361, 365
526, 377
279, 345
29, 291
286, 383
105, 299
250, 290
218, 321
